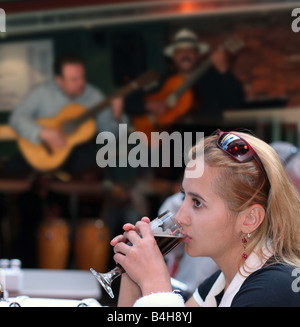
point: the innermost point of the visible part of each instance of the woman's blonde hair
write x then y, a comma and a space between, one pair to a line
243, 184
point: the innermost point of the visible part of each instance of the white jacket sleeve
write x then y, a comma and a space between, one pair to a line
161, 299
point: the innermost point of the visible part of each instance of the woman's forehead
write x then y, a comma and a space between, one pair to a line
205, 181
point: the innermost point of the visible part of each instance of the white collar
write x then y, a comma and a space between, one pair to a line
253, 263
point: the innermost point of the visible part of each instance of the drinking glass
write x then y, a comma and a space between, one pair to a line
167, 234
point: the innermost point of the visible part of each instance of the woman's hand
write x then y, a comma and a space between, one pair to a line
129, 290
127, 228
142, 259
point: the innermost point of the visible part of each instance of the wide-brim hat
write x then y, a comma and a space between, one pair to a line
185, 38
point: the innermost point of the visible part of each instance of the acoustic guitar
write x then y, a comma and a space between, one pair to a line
77, 124
177, 95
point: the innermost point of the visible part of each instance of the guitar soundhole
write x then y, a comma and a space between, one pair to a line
69, 127
47, 148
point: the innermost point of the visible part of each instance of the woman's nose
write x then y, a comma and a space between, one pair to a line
182, 217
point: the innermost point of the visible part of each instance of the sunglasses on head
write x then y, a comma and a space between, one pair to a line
239, 149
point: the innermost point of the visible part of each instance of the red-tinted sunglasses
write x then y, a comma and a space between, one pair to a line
239, 149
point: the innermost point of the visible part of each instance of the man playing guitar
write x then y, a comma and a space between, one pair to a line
46, 100
212, 89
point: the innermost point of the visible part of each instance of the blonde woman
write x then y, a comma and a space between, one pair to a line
243, 213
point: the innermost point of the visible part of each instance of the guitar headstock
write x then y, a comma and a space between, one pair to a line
233, 44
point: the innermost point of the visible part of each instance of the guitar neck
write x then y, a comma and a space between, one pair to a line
122, 92
232, 45
142, 81
197, 73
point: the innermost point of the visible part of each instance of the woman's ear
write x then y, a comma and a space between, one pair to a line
251, 218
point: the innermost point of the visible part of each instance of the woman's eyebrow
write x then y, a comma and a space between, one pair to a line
196, 195
193, 194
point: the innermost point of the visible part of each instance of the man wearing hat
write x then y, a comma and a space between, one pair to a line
216, 90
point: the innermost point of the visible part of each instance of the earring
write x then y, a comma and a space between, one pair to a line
245, 241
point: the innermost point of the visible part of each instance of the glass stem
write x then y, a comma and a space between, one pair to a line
116, 272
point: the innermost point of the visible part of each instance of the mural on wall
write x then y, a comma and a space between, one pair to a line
22, 66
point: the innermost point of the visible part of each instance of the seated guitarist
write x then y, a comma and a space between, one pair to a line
46, 100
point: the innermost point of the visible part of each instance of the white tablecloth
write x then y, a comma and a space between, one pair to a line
66, 284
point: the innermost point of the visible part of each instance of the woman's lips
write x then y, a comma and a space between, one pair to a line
187, 239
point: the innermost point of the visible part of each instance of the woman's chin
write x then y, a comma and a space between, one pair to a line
192, 252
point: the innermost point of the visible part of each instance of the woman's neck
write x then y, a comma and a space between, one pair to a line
228, 264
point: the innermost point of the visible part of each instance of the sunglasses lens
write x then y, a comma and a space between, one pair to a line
238, 149
233, 145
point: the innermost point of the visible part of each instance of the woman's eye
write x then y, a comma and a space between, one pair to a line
183, 195
197, 203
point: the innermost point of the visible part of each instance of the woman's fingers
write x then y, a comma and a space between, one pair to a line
117, 239
127, 227
133, 237
144, 229
121, 247
122, 238
142, 259
146, 220
120, 259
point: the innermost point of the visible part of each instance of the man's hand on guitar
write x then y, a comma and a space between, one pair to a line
220, 60
117, 104
52, 137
